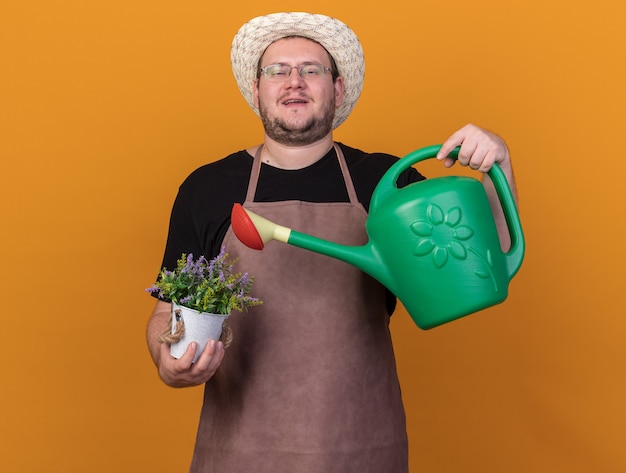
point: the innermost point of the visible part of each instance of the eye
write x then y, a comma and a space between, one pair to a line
311, 70
276, 70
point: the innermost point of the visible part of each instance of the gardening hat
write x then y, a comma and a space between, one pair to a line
337, 38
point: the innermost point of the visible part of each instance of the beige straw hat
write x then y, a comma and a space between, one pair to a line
340, 41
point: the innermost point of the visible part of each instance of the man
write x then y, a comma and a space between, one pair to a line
309, 382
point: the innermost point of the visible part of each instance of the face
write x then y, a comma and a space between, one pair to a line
297, 111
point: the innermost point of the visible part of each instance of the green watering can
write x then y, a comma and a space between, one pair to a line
433, 243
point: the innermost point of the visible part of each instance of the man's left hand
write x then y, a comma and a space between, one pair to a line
479, 149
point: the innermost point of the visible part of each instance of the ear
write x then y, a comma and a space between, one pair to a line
338, 91
255, 90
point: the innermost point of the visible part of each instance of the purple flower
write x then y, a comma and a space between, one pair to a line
207, 286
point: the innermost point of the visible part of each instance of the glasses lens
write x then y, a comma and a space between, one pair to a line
311, 70
283, 71
277, 71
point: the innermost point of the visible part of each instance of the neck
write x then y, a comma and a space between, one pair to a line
293, 157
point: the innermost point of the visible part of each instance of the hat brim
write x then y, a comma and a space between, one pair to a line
338, 39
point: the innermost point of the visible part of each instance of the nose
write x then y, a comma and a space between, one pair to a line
294, 77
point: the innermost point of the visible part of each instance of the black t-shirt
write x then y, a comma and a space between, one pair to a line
201, 212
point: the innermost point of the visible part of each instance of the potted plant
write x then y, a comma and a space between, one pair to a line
203, 295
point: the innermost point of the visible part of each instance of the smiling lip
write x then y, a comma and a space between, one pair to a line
294, 101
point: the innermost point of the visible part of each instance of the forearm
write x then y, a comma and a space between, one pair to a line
159, 321
496, 208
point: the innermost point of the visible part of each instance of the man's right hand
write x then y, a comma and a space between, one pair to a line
180, 373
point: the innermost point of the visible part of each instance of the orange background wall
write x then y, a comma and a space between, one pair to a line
105, 106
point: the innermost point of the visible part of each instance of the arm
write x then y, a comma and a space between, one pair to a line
182, 372
479, 150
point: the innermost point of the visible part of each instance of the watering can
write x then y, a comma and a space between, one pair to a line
433, 243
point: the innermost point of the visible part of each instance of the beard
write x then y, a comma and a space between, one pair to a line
313, 129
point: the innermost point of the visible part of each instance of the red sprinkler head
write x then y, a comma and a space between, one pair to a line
244, 228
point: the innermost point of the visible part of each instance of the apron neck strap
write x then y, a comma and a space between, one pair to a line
256, 171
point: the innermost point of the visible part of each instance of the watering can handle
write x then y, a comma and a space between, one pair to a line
388, 181
388, 185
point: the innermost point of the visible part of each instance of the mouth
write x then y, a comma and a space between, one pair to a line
295, 101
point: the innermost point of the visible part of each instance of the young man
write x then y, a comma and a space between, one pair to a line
309, 383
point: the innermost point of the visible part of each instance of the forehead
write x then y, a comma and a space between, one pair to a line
295, 50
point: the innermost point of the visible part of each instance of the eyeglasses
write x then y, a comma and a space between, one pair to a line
280, 72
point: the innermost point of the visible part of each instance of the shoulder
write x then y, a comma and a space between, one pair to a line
372, 166
202, 207
226, 174
232, 166
367, 169
358, 157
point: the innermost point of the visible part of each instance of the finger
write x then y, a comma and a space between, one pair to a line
467, 152
210, 351
488, 161
186, 360
449, 162
478, 156
455, 140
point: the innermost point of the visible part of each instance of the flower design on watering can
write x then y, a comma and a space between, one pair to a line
442, 235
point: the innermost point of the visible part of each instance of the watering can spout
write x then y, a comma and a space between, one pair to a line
255, 231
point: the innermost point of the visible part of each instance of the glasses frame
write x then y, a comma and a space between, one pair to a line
299, 68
